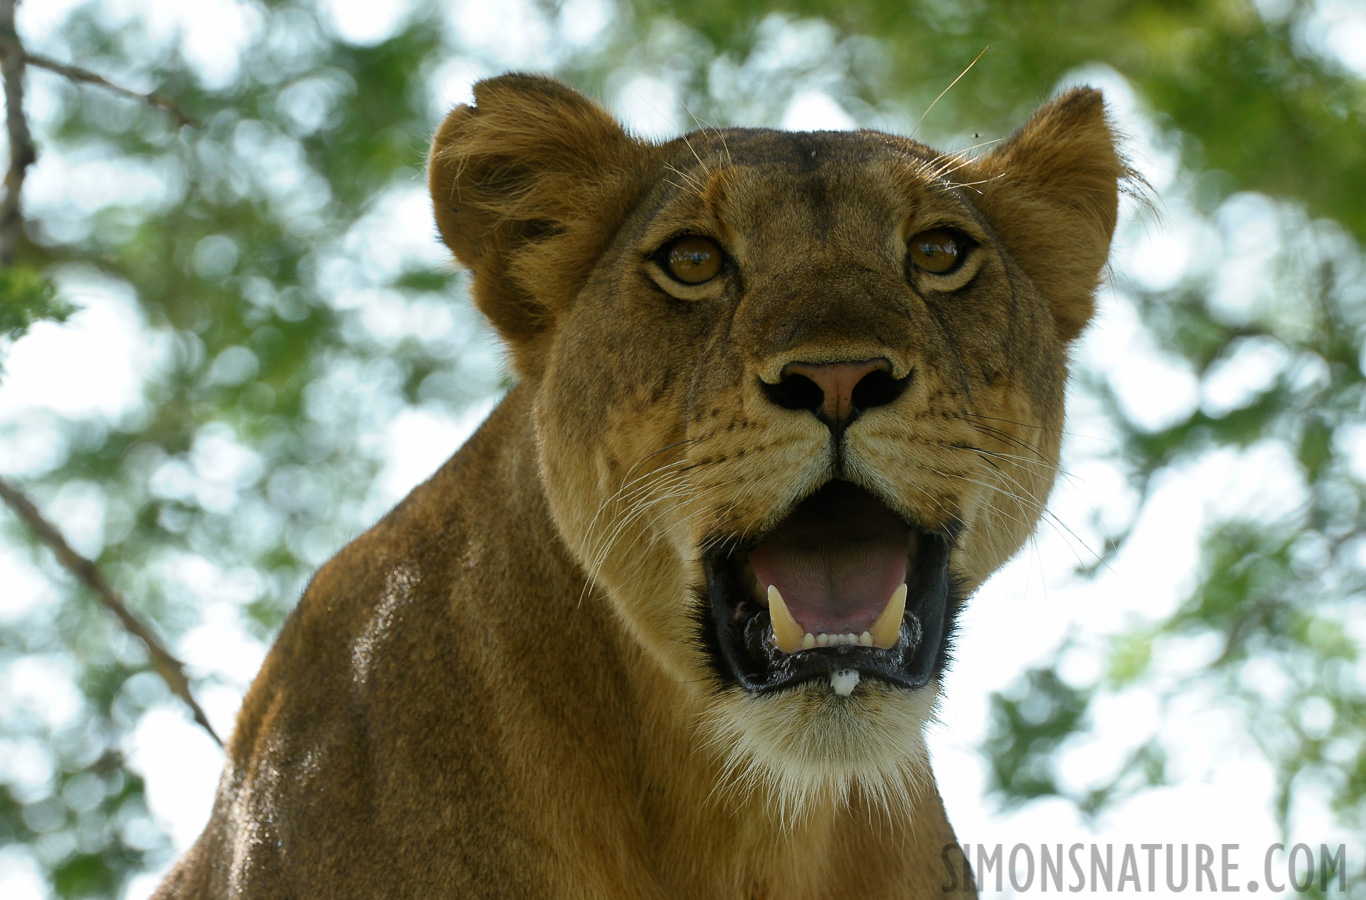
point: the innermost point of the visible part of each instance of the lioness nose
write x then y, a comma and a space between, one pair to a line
836, 393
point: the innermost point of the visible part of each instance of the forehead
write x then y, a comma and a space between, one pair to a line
800, 151
825, 181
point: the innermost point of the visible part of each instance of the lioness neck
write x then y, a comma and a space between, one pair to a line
630, 772
466, 711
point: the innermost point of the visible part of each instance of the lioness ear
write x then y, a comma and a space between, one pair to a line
529, 184
1051, 192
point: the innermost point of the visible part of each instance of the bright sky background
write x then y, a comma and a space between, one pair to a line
1224, 785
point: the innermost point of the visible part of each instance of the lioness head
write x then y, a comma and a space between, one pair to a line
797, 395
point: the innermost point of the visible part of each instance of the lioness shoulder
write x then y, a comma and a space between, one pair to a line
673, 622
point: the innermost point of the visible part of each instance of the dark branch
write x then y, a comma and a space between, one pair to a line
13, 62
22, 153
170, 668
13, 55
85, 76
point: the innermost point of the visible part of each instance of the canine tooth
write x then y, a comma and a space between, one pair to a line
822, 640
865, 640
887, 627
808, 641
787, 634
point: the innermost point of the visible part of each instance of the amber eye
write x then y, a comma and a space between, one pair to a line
692, 259
937, 251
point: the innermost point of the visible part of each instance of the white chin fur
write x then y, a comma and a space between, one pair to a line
807, 749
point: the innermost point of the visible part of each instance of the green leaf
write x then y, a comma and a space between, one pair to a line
28, 297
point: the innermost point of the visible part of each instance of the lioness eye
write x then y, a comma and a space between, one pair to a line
936, 251
692, 259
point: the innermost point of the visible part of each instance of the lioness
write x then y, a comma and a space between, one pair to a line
672, 623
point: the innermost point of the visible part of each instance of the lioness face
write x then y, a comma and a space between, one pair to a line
798, 395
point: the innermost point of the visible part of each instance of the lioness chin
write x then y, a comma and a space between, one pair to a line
672, 623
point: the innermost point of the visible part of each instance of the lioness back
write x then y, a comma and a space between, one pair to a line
673, 622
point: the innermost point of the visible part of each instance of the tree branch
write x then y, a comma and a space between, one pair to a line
14, 57
22, 153
170, 668
75, 73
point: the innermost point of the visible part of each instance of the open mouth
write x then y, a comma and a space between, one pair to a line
841, 589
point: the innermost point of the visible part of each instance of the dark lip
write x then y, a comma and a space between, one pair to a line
736, 630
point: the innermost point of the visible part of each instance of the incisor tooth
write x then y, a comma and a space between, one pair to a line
886, 628
787, 634
843, 681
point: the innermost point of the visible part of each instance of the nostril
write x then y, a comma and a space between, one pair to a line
795, 392
877, 388
835, 392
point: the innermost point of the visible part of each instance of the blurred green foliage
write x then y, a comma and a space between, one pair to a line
29, 298
282, 326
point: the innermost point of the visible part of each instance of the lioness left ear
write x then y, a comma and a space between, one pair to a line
529, 184
1051, 192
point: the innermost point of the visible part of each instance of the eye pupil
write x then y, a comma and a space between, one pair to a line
935, 251
693, 260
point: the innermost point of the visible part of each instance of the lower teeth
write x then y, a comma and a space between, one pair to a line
844, 681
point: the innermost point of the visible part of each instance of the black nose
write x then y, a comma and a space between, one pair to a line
837, 392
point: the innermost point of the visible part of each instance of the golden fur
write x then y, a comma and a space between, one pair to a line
501, 690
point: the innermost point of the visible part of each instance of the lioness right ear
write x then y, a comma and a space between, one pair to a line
1051, 191
529, 185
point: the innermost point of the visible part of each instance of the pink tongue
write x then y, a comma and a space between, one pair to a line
835, 560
